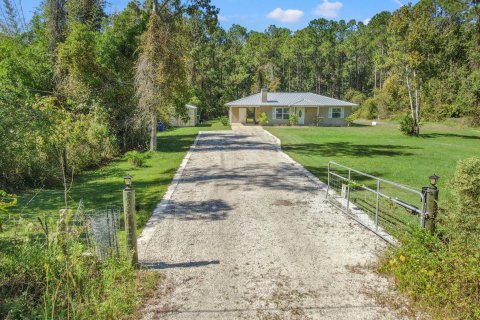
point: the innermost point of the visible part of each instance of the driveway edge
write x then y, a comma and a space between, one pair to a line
150, 226
357, 213
322, 185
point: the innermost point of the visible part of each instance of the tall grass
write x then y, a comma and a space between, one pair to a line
441, 272
55, 276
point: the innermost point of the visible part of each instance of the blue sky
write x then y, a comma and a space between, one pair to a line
259, 14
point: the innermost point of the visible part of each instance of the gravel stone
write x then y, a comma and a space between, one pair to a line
247, 235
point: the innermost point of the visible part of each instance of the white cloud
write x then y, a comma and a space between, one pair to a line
366, 21
288, 16
222, 18
398, 2
328, 9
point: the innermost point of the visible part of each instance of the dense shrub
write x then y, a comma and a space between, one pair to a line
51, 277
224, 121
137, 159
293, 119
406, 125
351, 118
368, 109
355, 96
463, 220
263, 118
441, 273
89, 142
43, 139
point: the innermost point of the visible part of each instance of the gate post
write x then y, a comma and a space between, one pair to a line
432, 204
130, 219
328, 180
348, 188
377, 204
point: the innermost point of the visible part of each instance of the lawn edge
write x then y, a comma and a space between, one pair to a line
384, 235
150, 226
322, 185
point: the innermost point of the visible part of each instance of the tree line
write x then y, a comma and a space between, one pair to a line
78, 86
423, 60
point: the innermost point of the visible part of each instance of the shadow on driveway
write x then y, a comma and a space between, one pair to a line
163, 265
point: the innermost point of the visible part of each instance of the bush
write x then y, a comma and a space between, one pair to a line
441, 273
6, 201
368, 110
355, 96
263, 118
89, 143
406, 125
318, 120
137, 159
463, 221
42, 135
51, 277
351, 118
224, 121
293, 119
440, 278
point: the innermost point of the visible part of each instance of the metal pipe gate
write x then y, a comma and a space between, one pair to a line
385, 207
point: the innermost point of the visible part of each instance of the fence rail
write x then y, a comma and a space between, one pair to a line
387, 208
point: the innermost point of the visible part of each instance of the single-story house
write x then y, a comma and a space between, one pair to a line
310, 108
192, 118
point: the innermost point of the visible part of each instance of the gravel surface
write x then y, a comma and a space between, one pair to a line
247, 235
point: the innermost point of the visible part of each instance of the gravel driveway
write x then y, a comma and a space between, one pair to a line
246, 235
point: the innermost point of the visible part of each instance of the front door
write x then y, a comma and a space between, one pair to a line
301, 115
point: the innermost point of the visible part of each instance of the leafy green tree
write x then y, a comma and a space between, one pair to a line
89, 13
161, 71
56, 22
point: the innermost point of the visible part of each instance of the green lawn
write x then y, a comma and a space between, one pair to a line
102, 187
383, 151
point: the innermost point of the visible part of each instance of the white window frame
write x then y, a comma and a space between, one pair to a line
282, 117
336, 110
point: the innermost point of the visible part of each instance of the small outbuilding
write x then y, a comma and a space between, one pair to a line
192, 118
310, 108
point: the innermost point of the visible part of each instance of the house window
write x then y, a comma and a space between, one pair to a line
282, 113
336, 112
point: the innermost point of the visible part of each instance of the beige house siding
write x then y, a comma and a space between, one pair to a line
334, 122
234, 116
310, 115
269, 111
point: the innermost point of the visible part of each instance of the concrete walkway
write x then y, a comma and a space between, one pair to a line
246, 235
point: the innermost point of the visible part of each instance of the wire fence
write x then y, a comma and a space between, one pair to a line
389, 209
97, 230
103, 226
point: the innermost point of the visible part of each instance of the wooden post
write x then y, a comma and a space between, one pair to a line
130, 223
432, 208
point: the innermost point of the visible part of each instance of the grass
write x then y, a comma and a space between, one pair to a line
438, 273
45, 274
382, 150
102, 187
